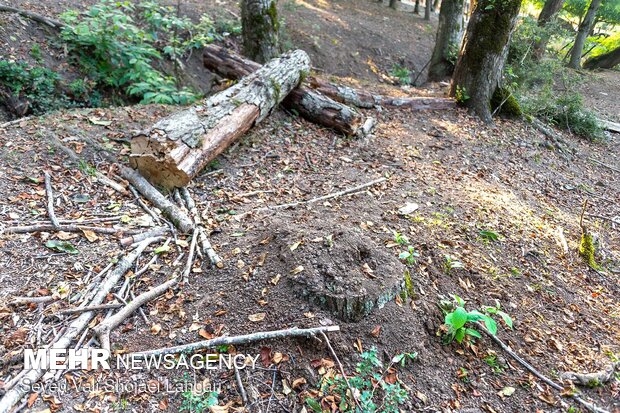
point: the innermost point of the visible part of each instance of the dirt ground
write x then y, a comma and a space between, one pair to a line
464, 176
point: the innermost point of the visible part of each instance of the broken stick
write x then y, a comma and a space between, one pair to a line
103, 330
50, 200
234, 340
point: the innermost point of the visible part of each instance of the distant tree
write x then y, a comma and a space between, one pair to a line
479, 67
416, 8
604, 61
435, 5
260, 26
427, 9
547, 14
448, 39
393, 4
585, 27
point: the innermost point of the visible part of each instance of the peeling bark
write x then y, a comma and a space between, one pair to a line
310, 104
176, 148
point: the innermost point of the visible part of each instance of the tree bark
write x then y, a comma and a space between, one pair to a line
447, 41
260, 27
427, 9
393, 4
310, 104
582, 34
547, 14
176, 148
605, 61
479, 67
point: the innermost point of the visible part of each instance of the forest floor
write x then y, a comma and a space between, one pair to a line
464, 176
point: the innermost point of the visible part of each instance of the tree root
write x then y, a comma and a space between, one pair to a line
588, 405
592, 379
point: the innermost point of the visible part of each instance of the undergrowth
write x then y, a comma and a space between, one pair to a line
543, 87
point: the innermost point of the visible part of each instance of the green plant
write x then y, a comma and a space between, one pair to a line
458, 320
409, 256
450, 263
86, 168
489, 235
374, 393
197, 402
461, 95
117, 44
401, 73
491, 360
35, 52
37, 86
400, 239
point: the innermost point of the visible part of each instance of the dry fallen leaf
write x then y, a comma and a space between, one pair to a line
90, 235
275, 280
376, 331
155, 329
297, 269
257, 317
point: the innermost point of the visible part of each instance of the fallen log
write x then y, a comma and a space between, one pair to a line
233, 66
310, 104
178, 147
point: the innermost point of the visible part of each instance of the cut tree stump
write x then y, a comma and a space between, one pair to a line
310, 104
178, 147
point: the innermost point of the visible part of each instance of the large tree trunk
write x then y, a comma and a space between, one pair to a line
176, 148
447, 41
480, 63
547, 14
260, 26
582, 34
310, 104
427, 9
605, 61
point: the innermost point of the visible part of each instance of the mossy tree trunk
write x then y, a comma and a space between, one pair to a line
448, 39
582, 34
547, 14
479, 67
604, 61
260, 26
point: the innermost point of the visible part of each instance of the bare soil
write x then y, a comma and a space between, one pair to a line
465, 176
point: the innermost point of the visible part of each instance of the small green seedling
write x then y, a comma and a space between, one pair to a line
400, 239
451, 263
458, 321
409, 256
489, 236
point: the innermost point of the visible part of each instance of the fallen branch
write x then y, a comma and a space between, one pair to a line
190, 256
89, 308
604, 218
605, 165
72, 332
592, 379
141, 236
55, 24
50, 200
179, 218
590, 406
205, 244
235, 340
103, 330
30, 300
23, 229
557, 141
322, 198
344, 375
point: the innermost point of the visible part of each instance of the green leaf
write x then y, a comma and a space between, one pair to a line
162, 249
61, 246
490, 325
314, 405
397, 358
459, 318
475, 315
459, 335
472, 332
506, 318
